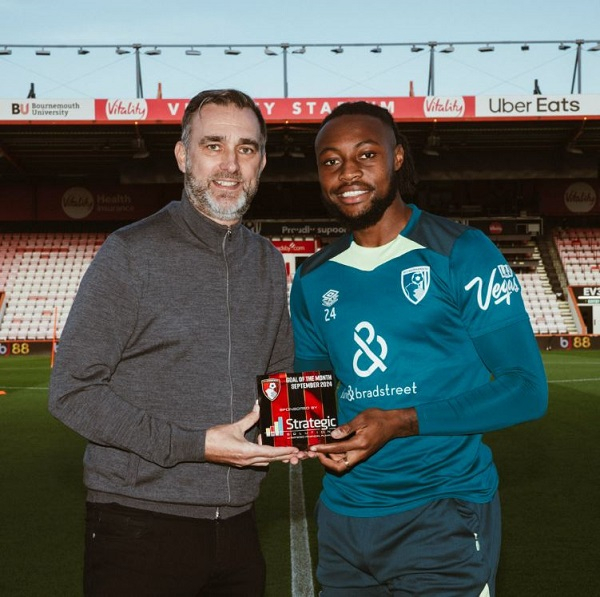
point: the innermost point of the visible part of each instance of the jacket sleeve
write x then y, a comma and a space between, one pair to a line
517, 390
91, 347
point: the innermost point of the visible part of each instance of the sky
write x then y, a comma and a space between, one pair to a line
357, 72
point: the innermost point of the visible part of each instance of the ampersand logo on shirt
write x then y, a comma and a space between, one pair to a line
364, 356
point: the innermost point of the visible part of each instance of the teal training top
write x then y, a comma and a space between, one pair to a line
435, 320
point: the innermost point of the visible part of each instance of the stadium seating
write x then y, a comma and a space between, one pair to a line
40, 274
579, 250
548, 314
520, 250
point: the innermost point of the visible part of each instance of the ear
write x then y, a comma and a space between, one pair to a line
398, 157
180, 155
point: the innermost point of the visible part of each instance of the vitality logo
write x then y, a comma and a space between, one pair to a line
364, 356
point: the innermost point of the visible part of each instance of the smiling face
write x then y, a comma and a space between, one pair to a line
357, 159
222, 161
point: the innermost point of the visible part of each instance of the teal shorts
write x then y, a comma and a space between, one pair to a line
446, 548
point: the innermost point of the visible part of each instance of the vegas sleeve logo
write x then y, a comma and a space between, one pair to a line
497, 290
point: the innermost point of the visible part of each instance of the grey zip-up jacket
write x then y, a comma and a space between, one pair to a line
173, 321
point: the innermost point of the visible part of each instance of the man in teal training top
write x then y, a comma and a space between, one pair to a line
423, 323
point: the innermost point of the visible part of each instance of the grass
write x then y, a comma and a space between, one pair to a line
549, 489
41, 492
549, 486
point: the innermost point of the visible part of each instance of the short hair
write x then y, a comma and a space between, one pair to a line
407, 175
221, 97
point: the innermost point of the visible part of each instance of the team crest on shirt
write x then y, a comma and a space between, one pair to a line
415, 283
271, 388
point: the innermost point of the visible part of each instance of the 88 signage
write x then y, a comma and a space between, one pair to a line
23, 349
578, 342
568, 342
14, 349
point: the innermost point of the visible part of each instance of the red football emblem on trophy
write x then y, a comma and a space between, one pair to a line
271, 388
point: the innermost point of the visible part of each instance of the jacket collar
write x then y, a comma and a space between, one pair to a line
208, 231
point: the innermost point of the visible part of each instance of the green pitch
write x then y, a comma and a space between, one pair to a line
549, 489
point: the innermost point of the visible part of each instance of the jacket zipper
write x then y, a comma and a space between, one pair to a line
226, 238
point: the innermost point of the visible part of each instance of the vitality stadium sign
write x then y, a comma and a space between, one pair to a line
307, 109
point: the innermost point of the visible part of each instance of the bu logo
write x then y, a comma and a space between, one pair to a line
271, 388
415, 283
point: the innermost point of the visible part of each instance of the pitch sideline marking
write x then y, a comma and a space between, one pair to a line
581, 380
45, 388
302, 580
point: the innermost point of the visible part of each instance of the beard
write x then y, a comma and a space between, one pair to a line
222, 206
370, 215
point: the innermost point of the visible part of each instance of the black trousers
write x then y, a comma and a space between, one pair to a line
137, 553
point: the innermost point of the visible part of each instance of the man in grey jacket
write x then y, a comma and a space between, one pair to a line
173, 321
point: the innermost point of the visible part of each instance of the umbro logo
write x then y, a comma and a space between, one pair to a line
330, 298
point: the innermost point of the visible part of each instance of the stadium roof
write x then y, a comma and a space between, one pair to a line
452, 138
